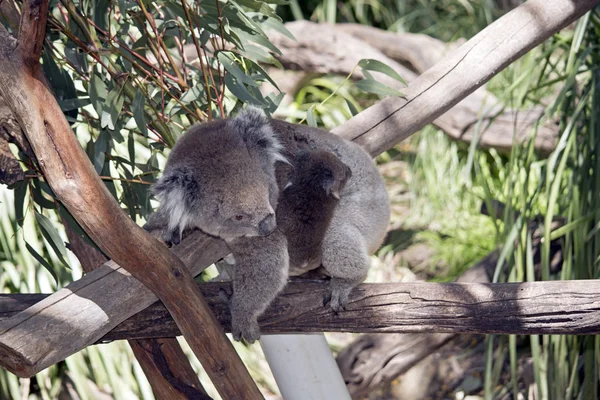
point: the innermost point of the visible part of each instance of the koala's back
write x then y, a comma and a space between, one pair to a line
364, 202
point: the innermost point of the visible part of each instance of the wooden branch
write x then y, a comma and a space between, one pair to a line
168, 369
550, 307
433, 93
163, 361
76, 184
90, 308
32, 31
336, 49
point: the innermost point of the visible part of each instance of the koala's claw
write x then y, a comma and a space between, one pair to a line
249, 331
336, 299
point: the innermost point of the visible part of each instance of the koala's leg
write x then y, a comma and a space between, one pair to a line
346, 259
260, 273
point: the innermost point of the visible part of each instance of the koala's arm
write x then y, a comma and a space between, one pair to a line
261, 271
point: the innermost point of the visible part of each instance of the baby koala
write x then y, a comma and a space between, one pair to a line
303, 214
307, 203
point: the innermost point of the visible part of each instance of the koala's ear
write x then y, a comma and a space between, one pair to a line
178, 184
331, 185
177, 190
255, 129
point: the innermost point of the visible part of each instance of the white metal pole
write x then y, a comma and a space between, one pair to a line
304, 367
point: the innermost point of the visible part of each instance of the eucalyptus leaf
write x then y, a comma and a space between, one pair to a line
138, 113
351, 107
20, 192
51, 235
372, 86
97, 91
310, 118
42, 261
378, 66
233, 69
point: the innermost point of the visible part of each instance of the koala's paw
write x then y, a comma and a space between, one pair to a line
248, 331
336, 298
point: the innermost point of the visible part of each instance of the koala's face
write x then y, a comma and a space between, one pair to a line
220, 179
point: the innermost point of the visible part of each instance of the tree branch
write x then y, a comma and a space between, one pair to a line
32, 31
536, 308
167, 368
456, 76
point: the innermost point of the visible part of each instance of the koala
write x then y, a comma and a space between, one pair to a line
307, 203
226, 178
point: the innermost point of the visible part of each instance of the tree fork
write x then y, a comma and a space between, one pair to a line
75, 183
163, 361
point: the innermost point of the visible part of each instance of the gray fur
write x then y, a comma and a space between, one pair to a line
307, 204
205, 187
222, 169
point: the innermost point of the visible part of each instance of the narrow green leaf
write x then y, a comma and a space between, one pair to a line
310, 118
115, 105
378, 66
97, 92
73, 104
193, 94
51, 235
372, 86
232, 68
42, 261
138, 113
100, 149
240, 91
351, 106
20, 192
275, 24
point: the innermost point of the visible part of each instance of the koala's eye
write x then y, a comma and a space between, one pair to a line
238, 217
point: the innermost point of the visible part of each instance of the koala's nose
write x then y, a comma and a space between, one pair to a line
267, 225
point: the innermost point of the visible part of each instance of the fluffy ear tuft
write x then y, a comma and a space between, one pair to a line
177, 190
254, 128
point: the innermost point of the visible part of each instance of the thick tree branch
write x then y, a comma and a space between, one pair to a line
551, 307
75, 183
32, 31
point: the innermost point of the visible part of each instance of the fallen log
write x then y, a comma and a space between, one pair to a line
533, 308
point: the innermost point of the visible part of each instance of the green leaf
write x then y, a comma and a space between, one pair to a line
351, 106
240, 91
310, 118
378, 66
39, 198
372, 86
51, 235
20, 192
131, 149
233, 69
42, 261
115, 105
100, 147
97, 92
275, 24
138, 113
193, 94
73, 104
